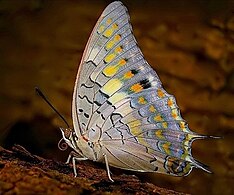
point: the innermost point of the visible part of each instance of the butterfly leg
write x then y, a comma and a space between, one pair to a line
72, 154
107, 168
69, 157
75, 157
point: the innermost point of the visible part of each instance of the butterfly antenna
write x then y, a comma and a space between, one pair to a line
39, 92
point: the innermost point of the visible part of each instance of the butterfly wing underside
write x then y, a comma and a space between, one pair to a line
119, 100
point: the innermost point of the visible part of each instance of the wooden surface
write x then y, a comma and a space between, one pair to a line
24, 173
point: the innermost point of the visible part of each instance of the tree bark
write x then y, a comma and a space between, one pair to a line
24, 173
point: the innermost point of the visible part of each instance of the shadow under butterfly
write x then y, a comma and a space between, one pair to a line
121, 114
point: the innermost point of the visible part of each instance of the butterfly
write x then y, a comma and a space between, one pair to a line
122, 115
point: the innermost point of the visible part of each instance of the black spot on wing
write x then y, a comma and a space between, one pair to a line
134, 71
86, 115
97, 103
108, 102
114, 116
103, 117
85, 97
98, 84
153, 160
84, 85
156, 169
90, 61
105, 95
145, 83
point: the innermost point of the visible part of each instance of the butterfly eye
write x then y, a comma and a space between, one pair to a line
67, 133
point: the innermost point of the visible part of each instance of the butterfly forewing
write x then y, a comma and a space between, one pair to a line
119, 102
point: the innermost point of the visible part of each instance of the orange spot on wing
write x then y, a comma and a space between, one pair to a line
158, 118
174, 114
115, 26
152, 108
122, 62
136, 87
128, 75
160, 93
159, 134
166, 147
183, 126
165, 125
118, 49
170, 103
117, 38
109, 20
142, 100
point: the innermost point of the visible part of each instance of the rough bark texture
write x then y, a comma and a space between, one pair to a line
24, 173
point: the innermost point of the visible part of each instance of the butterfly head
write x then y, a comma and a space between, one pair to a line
81, 145
68, 135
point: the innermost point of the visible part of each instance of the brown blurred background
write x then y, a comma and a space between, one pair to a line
189, 43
